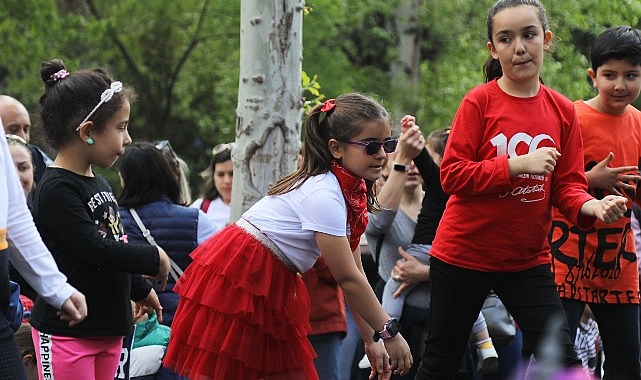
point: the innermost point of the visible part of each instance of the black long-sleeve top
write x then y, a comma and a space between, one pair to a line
78, 219
434, 200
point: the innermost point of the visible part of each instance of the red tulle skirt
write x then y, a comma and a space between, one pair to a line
242, 314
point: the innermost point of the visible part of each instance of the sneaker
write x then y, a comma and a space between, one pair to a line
488, 358
364, 363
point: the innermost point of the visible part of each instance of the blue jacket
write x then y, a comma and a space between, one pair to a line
174, 227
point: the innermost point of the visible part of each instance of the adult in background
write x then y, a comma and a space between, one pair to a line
23, 162
150, 186
16, 121
215, 195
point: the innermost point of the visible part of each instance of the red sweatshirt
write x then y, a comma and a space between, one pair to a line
327, 303
492, 222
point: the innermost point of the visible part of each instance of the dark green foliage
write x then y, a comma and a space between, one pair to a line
182, 57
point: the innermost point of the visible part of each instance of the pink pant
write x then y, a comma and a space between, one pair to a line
63, 357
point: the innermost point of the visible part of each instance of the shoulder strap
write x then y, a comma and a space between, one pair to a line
145, 232
174, 270
205, 205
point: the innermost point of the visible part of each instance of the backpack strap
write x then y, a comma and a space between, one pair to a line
205, 205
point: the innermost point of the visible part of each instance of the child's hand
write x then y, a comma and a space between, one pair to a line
379, 360
408, 270
609, 209
605, 178
541, 161
147, 305
411, 141
399, 354
74, 309
407, 122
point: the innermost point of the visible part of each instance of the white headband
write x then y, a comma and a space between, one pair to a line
104, 98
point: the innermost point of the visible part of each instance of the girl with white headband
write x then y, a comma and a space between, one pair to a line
85, 115
33, 261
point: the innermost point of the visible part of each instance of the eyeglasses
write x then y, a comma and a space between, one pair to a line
221, 148
16, 139
373, 147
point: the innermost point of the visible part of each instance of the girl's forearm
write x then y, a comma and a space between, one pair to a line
367, 310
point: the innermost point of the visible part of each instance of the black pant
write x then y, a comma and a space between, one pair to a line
619, 333
457, 296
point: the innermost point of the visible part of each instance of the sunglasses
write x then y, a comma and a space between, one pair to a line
16, 139
165, 147
221, 148
373, 147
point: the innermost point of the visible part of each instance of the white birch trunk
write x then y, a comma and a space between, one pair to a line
269, 112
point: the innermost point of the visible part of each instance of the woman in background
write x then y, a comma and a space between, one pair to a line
151, 187
216, 192
23, 162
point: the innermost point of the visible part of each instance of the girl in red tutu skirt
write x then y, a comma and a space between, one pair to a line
244, 309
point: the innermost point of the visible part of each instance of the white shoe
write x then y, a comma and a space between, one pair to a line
488, 360
364, 363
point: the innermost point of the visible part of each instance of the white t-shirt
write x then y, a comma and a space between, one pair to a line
218, 211
290, 220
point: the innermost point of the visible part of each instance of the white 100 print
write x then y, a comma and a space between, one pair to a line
529, 193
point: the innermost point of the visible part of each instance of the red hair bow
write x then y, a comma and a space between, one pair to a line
329, 105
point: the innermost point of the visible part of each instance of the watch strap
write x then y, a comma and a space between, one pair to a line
401, 168
385, 333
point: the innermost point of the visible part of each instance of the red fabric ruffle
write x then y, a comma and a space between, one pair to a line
242, 314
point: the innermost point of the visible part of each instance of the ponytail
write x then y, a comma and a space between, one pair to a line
492, 69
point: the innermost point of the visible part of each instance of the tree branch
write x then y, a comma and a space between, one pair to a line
121, 47
183, 59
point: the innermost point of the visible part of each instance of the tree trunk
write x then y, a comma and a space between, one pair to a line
269, 112
406, 69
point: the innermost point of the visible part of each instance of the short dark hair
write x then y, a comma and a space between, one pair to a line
146, 175
618, 42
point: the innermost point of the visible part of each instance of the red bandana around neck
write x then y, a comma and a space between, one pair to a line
355, 193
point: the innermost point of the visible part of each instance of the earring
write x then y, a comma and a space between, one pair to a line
89, 141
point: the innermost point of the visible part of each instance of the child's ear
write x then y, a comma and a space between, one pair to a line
492, 50
335, 148
85, 130
592, 75
547, 40
27, 358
